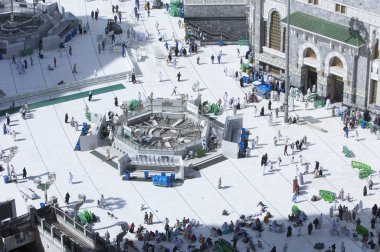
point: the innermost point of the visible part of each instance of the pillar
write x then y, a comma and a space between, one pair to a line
62, 244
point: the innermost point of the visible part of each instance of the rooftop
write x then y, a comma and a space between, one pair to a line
324, 28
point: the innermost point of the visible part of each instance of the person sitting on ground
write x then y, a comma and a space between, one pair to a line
201, 239
50, 68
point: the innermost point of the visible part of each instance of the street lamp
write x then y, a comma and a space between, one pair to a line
45, 186
8, 159
286, 102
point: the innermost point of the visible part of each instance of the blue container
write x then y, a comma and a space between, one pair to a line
146, 175
363, 124
163, 174
42, 205
6, 179
172, 176
127, 176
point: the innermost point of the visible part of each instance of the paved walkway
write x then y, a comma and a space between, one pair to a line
46, 144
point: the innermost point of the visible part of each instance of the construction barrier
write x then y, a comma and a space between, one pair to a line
327, 195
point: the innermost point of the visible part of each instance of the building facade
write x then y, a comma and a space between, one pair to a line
333, 45
226, 19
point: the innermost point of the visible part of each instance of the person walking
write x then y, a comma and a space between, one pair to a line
212, 58
70, 50
219, 183
370, 184
66, 118
286, 150
174, 91
14, 135
90, 96
67, 198
150, 220
116, 102
219, 58
55, 62
345, 129
24, 173
285, 248
289, 231
198, 59
75, 69
342, 247
108, 154
179, 76
160, 76
356, 135
309, 228
71, 177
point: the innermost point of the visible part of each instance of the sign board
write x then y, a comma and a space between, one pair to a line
127, 131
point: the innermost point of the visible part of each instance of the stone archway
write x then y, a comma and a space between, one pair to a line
336, 70
336, 63
311, 52
310, 61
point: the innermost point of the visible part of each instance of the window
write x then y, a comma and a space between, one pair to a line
373, 92
340, 8
314, 2
275, 31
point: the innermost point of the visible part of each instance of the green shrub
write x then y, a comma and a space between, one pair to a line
201, 153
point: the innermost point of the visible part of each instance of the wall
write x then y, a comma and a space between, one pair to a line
357, 72
214, 11
233, 29
90, 142
123, 164
219, 17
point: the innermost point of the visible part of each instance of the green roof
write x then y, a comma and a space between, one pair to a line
324, 28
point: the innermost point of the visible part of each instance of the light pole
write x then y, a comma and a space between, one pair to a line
45, 186
287, 80
8, 159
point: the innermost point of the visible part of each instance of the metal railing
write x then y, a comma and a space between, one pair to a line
98, 241
65, 87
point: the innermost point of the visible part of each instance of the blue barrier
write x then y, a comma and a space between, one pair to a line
146, 175
159, 180
127, 176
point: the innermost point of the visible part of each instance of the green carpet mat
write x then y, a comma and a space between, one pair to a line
66, 98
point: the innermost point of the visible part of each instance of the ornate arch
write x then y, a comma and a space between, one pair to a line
302, 50
328, 59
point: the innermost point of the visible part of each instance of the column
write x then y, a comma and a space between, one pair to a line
62, 245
